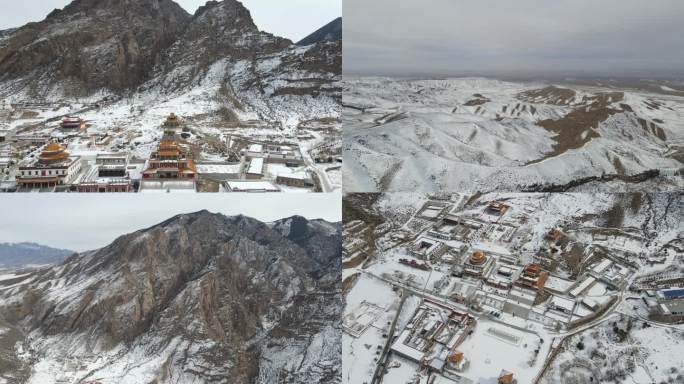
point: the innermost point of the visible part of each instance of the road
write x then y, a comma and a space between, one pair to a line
377, 376
322, 175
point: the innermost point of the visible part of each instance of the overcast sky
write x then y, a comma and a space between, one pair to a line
294, 19
606, 37
89, 221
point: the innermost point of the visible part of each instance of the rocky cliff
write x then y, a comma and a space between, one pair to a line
90, 45
198, 297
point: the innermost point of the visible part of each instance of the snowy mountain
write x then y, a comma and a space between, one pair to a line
134, 56
329, 32
474, 134
198, 298
23, 254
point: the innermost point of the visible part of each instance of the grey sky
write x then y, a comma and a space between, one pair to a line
607, 37
82, 222
294, 19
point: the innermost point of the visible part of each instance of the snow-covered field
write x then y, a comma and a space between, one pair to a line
474, 134
605, 246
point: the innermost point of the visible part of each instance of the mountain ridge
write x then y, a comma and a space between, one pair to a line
231, 286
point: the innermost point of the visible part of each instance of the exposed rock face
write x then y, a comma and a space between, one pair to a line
116, 46
90, 45
207, 297
219, 30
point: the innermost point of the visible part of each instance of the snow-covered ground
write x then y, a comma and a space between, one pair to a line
470, 134
606, 245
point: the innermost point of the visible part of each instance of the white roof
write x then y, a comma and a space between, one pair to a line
256, 166
582, 286
252, 186
562, 302
403, 349
255, 148
600, 267
218, 168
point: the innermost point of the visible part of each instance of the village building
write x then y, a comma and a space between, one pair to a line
97, 185
533, 276
251, 186
255, 171
433, 336
173, 121
5, 157
284, 154
53, 167
219, 171
111, 164
72, 124
445, 228
670, 301
171, 160
274, 153
425, 248
35, 140
496, 207
478, 264
295, 179
553, 235
254, 150
506, 377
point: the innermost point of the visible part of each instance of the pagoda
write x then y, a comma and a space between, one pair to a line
52, 167
170, 160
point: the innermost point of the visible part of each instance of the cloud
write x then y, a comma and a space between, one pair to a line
451, 36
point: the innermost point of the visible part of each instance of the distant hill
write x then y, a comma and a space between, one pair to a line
330, 32
22, 254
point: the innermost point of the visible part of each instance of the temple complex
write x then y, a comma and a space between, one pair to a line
53, 167
171, 160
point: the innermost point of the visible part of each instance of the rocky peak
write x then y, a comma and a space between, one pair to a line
221, 29
91, 45
222, 282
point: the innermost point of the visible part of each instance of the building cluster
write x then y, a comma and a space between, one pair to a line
276, 165
479, 249
666, 304
252, 167
355, 244
433, 337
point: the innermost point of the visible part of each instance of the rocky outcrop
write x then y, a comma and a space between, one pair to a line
219, 30
90, 45
237, 286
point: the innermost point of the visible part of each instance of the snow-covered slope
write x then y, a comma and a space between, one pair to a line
472, 134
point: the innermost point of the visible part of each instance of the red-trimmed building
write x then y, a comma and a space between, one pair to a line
53, 167
170, 160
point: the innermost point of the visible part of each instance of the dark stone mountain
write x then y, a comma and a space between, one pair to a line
329, 32
215, 298
223, 29
14, 255
122, 46
90, 45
